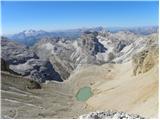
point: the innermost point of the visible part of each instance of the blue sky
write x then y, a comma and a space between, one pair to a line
18, 16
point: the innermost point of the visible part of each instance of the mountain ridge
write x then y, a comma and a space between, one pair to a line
35, 35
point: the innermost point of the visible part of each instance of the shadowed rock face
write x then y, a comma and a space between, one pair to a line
30, 84
90, 43
58, 52
25, 62
4, 65
120, 46
38, 70
15, 53
66, 56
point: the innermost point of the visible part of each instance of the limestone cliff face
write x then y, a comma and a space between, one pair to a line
142, 62
145, 60
21, 60
90, 43
15, 53
66, 56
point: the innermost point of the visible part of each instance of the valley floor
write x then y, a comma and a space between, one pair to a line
54, 100
114, 87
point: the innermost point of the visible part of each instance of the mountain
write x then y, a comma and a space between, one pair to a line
67, 55
15, 53
91, 48
25, 62
120, 69
131, 86
30, 37
144, 30
141, 30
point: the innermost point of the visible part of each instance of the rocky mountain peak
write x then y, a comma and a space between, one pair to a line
90, 43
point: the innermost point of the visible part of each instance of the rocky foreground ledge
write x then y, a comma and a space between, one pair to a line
110, 115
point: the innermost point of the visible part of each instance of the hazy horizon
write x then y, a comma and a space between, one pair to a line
53, 16
61, 30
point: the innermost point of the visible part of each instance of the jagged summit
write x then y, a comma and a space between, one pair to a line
32, 32
91, 44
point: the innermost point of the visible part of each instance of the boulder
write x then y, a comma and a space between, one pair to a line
33, 85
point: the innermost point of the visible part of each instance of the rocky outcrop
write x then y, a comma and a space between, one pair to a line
4, 65
23, 61
110, 115
126, 49
144, 60
58, 52
36, 69
120, 46
15, 53
33, 85
90, 44
66, 55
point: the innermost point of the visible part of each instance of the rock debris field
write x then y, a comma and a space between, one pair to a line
110, 114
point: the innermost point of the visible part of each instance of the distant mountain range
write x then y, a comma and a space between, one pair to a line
137, 30
30, 37
65, 54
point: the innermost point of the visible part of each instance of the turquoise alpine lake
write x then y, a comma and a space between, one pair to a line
84, 94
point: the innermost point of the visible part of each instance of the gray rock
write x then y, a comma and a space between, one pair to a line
33, 85
38, 70
90, 44
66, 56
120, 46
15, 53
110, 114
24, 61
